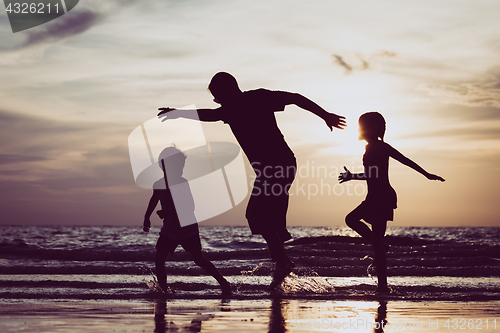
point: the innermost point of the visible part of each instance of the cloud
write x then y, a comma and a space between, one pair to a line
466, 113
366, 64
15, 158
476, 133
54, 171
340, 61
386, 54
475, 94
356, 61
52, 149
73, 23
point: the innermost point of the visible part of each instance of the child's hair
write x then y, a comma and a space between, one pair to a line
173, 158
374, 122
223, 82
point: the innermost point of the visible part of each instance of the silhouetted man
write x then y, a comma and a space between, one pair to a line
250, 114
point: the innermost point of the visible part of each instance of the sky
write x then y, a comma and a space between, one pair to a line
72, 90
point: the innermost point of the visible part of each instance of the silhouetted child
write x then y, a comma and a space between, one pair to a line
172, 234
380, 202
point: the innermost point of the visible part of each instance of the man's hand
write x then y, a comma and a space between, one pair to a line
163, 113
345, 176
147, 225
430, 176
332, 120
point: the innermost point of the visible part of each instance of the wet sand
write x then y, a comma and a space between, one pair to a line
269, 315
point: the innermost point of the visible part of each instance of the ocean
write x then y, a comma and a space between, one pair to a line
116, 263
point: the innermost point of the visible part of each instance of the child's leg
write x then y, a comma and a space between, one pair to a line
380, 248
192, 245
353, 221
163, 248
161, 273
200, 260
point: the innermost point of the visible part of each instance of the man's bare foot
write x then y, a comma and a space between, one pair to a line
383, 290
280, 273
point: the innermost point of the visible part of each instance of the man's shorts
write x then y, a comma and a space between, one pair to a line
268, 204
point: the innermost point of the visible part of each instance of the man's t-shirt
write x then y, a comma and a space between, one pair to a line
252, 120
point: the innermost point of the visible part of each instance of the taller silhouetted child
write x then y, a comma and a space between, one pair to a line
380, 202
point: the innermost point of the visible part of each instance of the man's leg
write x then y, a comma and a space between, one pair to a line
283, 264
262, 216
283, 199
281, 219
276, 248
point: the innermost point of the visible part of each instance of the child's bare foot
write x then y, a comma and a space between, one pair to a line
226, 289
386, 247
164, 287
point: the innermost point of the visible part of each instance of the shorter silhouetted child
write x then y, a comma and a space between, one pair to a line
380, 202
172, 234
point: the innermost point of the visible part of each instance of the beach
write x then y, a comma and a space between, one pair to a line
100, 279
269, 315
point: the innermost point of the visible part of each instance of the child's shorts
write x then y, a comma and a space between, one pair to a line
166, 245
371, 212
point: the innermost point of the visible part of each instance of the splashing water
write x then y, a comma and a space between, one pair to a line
264, 268
370, 270
154, 286
312, 283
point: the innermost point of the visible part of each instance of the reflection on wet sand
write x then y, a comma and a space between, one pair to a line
280, 314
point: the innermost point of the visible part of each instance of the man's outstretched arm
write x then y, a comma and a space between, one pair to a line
332, 120
198, 114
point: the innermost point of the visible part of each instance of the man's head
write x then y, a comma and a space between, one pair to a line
224, 87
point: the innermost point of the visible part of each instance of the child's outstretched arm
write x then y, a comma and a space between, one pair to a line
151, 207
406, 161
331, 119
198, 114
347, 176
